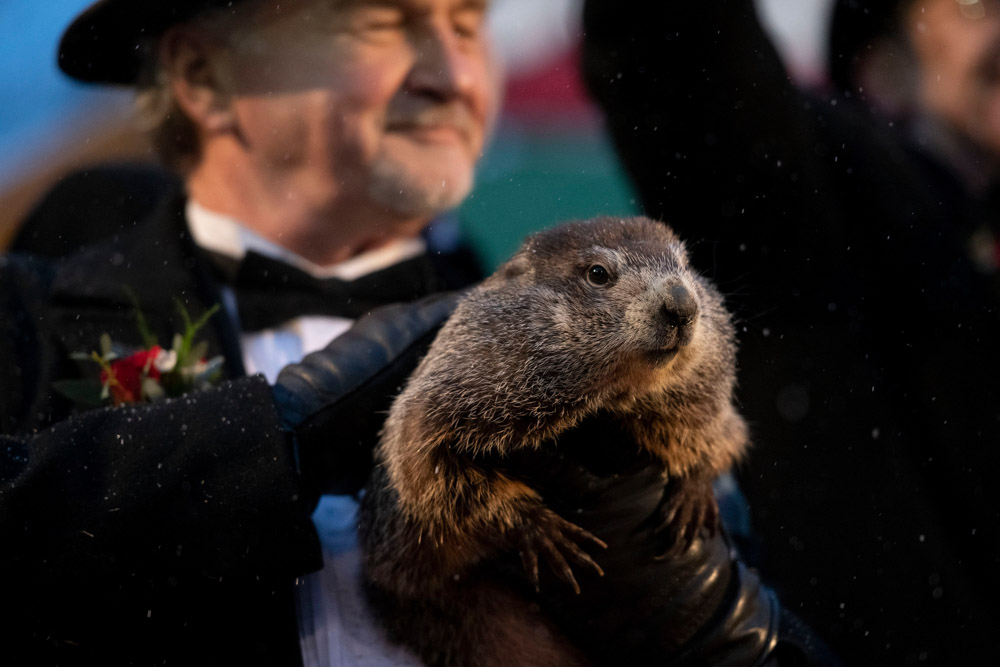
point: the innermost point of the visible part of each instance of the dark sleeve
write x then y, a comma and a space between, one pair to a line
693, 94
723, 147
203, 483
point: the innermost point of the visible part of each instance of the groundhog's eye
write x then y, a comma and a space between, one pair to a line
598, 275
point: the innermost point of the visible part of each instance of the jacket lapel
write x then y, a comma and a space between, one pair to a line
158, 263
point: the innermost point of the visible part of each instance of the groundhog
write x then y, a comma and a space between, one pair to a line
604, 316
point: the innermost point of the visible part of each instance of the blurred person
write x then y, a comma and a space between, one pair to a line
316, 142
932, 64
854, 232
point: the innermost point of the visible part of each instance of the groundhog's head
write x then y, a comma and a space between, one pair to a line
617, 295
597, 315
587, 316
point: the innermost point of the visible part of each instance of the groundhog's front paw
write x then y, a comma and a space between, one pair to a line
548, 535
688, 505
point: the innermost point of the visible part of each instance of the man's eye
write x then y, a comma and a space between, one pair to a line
468, 22
376, 19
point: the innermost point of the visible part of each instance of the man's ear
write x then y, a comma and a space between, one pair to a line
200, 84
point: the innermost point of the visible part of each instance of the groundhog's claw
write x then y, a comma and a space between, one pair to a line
529, 561
550, 535
688, 505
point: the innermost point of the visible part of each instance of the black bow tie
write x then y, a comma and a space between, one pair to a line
270, 292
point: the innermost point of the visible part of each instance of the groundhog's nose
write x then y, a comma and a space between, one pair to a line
677, 313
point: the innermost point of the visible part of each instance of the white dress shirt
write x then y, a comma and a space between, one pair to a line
336, 628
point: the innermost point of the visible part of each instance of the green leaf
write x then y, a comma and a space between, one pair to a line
178, 347
148, 339
84, 392
203, 320
190, 330
183, 312
199, 350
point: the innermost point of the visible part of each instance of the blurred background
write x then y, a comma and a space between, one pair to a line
549, 160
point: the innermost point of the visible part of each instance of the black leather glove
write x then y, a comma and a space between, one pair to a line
334, 402
701, 606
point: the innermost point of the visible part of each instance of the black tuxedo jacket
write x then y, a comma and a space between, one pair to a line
166, 533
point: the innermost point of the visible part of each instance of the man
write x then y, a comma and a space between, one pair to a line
314, 138
857, 248
344, 159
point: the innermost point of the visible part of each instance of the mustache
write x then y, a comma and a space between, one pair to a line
448, 114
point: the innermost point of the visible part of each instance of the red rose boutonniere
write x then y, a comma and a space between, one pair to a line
150, 373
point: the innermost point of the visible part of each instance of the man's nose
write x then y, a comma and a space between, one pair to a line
444, 64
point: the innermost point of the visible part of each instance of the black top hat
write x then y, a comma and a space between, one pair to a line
854, 26
109, 41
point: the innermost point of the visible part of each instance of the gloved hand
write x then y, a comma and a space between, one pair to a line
700, 606
334, 402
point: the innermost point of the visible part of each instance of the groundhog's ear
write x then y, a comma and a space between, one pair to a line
515, 267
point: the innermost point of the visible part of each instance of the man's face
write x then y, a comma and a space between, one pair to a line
957, 47
386, 102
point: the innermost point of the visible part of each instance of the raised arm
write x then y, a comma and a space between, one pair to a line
723, 146
697, 101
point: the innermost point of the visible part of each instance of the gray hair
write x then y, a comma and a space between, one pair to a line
172, 133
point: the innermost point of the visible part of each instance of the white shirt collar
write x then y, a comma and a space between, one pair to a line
227, 236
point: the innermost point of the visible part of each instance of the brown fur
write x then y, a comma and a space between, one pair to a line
526, 355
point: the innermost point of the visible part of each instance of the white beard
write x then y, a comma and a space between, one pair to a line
396, 187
